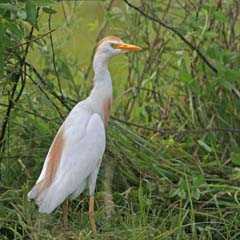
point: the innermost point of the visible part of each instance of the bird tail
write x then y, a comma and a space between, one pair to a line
33, 193
49, 198
37, 193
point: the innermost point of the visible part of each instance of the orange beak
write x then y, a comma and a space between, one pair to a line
126, 47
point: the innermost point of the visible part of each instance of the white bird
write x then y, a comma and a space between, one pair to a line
76, 152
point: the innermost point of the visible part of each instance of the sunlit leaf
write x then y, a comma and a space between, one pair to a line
49, 10
21, 14
204, 145
31, 10
220, 16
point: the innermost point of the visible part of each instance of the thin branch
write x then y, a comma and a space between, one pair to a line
175, 131
32, 113
53, 54
40, 116
45, 94
12, 100
23, 81
3, 105
60, 98
172, 29
64, 13
34, 39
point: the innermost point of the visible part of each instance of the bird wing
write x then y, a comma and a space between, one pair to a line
72, 157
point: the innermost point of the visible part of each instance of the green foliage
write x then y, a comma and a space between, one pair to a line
164, 185
13, 29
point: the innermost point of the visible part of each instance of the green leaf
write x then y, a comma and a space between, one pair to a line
21, 14
195, 87
183, 185
235, 158
173, 192
49, 10
8, 6
182, 194
198, 181
196, 194
12, 27
236, 173
204, 145
211, 34
183, 30
214, 53
31, 10
185, 77
235, 155
232, 75
226, 84
43, 3
220, 16
2, 28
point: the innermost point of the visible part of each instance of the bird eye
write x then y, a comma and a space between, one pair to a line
113, 45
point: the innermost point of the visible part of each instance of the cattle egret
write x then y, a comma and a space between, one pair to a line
76, 152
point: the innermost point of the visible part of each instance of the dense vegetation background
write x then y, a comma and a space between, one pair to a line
172, 163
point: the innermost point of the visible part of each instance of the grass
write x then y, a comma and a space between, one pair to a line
159, 192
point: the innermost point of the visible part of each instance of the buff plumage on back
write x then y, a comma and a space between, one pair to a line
52, 165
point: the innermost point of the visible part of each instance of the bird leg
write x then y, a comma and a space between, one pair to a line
65, 215
91, 214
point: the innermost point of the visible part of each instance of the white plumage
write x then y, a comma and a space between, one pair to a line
75, 155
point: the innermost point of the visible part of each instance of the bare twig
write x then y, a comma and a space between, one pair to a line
64, 13
12, 99
40, 116
46, 95
175, 131
60, 98
34, 39
53, 55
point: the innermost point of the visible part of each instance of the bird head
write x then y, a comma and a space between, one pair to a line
112, 46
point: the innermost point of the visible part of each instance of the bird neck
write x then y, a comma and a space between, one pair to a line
102, 79
100, 63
